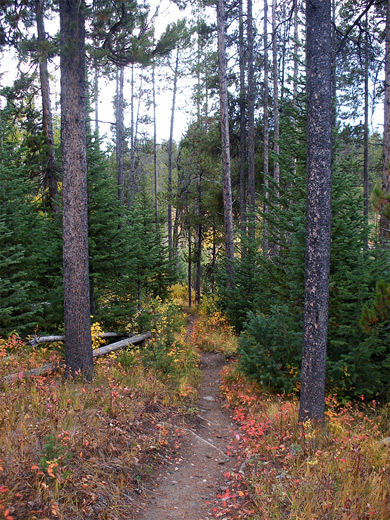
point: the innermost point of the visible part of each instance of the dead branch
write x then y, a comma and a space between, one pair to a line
99, 352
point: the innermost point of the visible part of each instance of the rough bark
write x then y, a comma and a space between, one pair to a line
78, 350
384, 220
224, 114
266, 128
50, 180
318, 212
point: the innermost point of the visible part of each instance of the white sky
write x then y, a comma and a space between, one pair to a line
168, 12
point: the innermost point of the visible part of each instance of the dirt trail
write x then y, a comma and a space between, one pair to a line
188, 485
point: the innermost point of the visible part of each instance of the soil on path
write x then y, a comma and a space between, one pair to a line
187, 486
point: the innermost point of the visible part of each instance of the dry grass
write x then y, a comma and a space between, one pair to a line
71, 450
340, 473
214, 334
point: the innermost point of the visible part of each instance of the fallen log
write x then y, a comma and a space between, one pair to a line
99, 352
51, 339
135, 340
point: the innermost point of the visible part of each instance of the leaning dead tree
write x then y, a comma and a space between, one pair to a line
36, 340
49, 368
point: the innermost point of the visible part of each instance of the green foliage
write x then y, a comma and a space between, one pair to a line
106, 242
19, 295
373, 354
138, 268
268, 351
270, 348
238, 302
168, 353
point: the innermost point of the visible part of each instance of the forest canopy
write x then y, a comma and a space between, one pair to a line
229, 208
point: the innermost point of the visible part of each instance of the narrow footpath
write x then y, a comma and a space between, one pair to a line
188, 485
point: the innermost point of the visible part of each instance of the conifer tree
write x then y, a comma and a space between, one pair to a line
318, 213
78, 343
20, 308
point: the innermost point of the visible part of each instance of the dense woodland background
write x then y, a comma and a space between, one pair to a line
156, 211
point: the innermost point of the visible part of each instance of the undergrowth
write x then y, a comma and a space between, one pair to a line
211, 331
305, 473
71, 450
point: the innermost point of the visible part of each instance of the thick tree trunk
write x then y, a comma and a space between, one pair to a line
251, 124
243, 158
266, 129
318, 212
120, 135
50, 180
227, 189
78, 349
385, 220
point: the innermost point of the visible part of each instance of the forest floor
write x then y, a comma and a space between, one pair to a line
188, 485
175, 432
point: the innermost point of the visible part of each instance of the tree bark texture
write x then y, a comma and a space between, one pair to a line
318, 212
78, 350
385, 221
224, 114
50, 180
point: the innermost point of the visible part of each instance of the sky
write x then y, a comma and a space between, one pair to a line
168, 12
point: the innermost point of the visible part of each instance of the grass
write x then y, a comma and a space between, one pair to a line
212, 333
341, 472
71, 450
